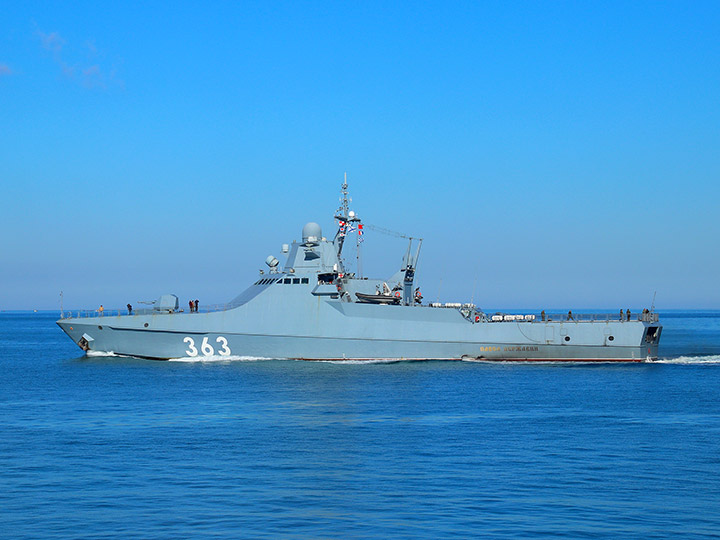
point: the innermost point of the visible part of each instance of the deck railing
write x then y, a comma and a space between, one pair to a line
578, 317
114, 312
494, 317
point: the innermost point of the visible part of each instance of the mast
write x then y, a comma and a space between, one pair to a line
358, 256
345, 217
342, 216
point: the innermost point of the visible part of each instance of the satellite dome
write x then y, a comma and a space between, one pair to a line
271, 261
311, 233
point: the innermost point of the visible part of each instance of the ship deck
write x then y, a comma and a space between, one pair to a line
494, 318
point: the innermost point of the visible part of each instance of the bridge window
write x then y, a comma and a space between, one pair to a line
296, 281
304, 280
326, 279
287, 281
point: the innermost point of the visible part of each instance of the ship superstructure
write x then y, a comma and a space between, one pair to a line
312, 308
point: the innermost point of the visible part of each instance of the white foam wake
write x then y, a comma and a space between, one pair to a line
366, 361
710, 359
101, 353
218, 358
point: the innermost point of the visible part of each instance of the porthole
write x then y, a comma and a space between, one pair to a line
567, 338
145, 325
611, 338
99, 327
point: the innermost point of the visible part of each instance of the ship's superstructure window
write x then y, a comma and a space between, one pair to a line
290, 281
326, 279
267, 281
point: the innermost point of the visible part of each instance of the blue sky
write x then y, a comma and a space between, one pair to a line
551, 154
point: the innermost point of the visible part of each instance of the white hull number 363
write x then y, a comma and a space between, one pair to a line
205, 348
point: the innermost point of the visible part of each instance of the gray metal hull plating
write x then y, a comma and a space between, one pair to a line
335, 330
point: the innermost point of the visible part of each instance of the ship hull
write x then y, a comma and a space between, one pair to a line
342, 331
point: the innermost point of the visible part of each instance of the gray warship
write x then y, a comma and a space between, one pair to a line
312, 308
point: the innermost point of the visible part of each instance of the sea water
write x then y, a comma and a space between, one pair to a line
101, 447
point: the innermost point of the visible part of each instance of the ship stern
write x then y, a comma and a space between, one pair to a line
651, 341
